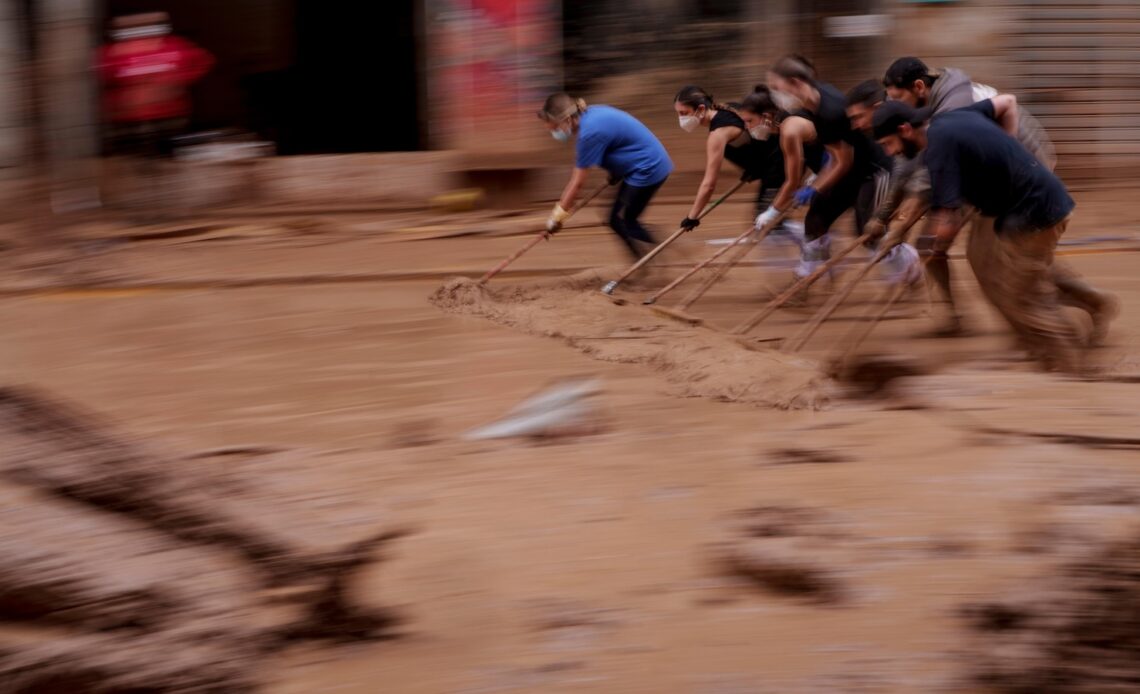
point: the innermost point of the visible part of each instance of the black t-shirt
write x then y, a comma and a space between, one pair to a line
760, 159
832, 126
972, 160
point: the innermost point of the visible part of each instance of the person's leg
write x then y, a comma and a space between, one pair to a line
824, 210
617, 221
636, 200
1075, 291
1019, 282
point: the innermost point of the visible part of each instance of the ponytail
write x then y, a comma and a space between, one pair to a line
695, 97
759, 101
560, 106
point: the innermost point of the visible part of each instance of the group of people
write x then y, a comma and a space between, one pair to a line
917, 140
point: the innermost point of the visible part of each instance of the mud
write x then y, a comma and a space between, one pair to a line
786, 550
694, 361
160, 585
1077, 631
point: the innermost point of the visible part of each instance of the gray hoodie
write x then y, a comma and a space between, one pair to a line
953, 89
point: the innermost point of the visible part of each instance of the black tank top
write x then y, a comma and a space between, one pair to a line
832, 126
761, 159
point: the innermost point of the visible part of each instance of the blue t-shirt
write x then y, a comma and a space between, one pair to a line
972, 160
623, 146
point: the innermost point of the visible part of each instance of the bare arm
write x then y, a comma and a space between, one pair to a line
714, 157
947, 223
570, 192
842, 157
793, 133
1006, 113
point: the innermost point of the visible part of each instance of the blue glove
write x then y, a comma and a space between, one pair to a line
804, 195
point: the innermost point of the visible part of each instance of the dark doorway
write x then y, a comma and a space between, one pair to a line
331, 76
356, 88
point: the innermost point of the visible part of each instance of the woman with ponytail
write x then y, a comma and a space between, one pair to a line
619, 143
855, 169
728, 138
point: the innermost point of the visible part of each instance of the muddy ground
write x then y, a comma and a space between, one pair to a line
731, 522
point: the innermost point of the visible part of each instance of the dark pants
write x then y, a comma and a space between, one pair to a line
631, 201
856, 191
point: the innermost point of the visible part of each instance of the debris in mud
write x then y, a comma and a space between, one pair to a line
786, 550
874, 376
697, 362
458, 292
805, 456
562, 410
1078, 632
158, 578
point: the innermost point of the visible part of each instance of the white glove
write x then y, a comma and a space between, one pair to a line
767, 217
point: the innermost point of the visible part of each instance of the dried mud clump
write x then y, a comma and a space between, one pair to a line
458, 292
151, 580
1077, 633
786, 550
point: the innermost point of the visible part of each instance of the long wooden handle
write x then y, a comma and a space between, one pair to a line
791, 291
721, 271
541, 235
612, 285
652, 298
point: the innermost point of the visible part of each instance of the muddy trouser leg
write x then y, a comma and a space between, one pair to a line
1015, 272
827, 207
631, 201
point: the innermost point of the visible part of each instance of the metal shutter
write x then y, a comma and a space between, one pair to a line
1075, 67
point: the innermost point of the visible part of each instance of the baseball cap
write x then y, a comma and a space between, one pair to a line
892, 114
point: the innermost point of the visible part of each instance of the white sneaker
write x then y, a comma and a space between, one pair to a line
901, 265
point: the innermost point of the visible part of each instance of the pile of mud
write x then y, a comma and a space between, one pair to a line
697, 362
1077, 632
134, 577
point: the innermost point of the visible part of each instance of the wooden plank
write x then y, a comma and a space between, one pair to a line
1091, 67
1120, 28
1079, 54
1107, 119
1045, 41
1038, 13
1052, 110
1062, 82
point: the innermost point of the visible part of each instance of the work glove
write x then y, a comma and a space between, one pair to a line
767, 217
688, 223
804, 195
557, 217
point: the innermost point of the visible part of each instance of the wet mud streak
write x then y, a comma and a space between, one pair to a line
695, 362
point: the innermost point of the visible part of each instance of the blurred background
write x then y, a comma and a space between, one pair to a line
303, 77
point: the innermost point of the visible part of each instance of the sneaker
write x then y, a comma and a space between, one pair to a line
902, 266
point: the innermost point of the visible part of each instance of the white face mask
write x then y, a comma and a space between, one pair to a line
760, 132
787, 102
689, 123
560, 135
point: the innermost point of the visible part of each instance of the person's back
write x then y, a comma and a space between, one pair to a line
971, 159
832, 125
146, 79
624, 146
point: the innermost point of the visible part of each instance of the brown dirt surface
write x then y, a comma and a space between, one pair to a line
696, 362
268, 408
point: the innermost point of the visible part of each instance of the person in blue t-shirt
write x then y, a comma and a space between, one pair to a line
1024, 210
619, 143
